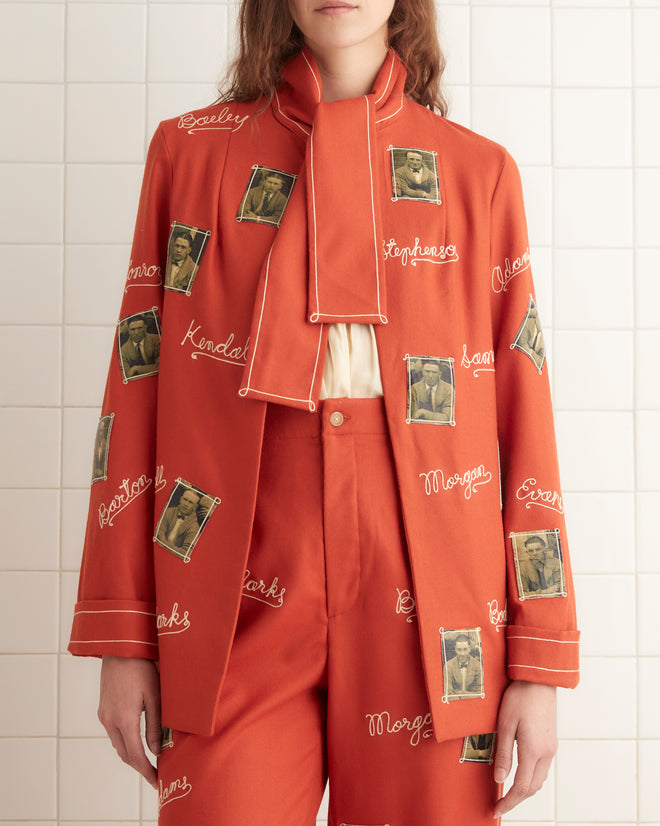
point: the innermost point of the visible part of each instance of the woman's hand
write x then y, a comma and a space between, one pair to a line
129, 686
528, 715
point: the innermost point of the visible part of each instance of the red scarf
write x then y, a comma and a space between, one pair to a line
338, 276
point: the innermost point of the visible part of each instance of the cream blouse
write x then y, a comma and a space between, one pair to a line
351, 367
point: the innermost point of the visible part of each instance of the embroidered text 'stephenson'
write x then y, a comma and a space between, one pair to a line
418, 252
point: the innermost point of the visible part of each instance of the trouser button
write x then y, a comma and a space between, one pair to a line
336, 418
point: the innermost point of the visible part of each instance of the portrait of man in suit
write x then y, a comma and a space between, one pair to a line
540, 572
181, 268
267, 196
431, 399
416, 178
463, 672
101, 447
139, 354
478, 748
185, 249
529, 338
183, 519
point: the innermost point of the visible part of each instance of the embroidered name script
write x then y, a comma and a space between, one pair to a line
128, 493
417, 252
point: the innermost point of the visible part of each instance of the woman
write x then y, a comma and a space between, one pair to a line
297, 558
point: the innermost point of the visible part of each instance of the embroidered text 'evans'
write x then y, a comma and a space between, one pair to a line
549, 499
420, 727
129, 492
224, 119
418, 252
174, 623
223, 351
502, 276
146, 276
469, 480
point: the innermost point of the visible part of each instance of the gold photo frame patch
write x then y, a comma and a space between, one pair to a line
266, 196
185, 248
462, 664
183, 519
414, 175
539, 564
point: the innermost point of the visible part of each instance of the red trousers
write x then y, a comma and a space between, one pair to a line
325, 678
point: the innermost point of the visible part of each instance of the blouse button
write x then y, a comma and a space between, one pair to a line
336, 418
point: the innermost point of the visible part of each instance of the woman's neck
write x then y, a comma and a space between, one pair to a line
349, 72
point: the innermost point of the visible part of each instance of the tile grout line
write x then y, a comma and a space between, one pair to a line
553, 240
633, 113
65, 97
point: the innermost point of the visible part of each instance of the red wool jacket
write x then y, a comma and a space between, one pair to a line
176, 458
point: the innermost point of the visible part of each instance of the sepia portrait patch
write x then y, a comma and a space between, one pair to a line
462, 664
529, 338
138, 339
266, 196
185, 249
166, 738
414, 175
184, 518
430, 385
478, 748
539, 564
101, 448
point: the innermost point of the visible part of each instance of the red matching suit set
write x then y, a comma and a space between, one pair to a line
344, 587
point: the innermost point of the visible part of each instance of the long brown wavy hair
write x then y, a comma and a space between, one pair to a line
268, 37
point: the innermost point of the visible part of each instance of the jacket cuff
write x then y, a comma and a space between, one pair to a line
541, 656
121, 628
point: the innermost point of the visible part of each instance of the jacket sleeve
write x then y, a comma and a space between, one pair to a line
542, 639
115, 612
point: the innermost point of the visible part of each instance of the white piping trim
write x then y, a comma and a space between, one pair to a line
244, 391
311, 175
380, 120
387, 85
92, 642
315, 316
284, 115
373, 213
540, 668
114, 611
543, 639
261, 315
318, 88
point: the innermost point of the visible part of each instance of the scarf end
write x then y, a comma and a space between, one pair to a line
275, 398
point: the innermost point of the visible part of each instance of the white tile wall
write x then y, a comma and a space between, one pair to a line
572, 88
